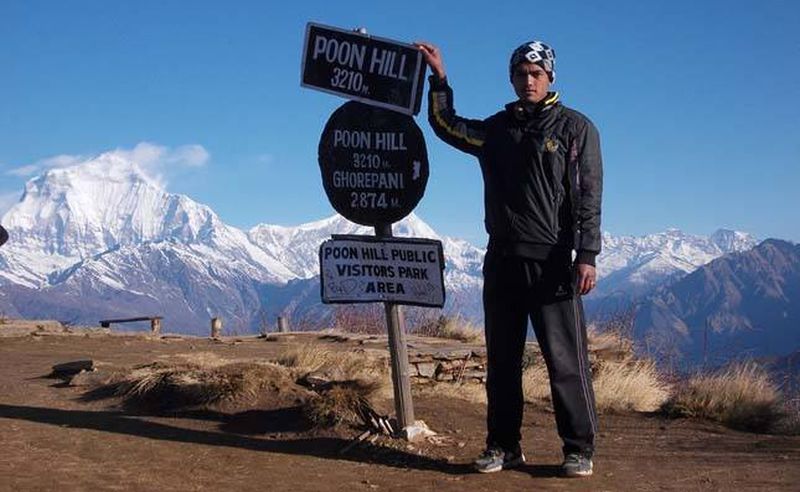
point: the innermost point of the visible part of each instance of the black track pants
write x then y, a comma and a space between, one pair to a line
516, 289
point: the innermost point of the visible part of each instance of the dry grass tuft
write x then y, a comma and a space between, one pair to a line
202, 359
338, 366
621, 381
629, 386
740, 396
183, 385
536, 384
341, 365
451, 328
610, 344
353, 379
308, 357
467, 391
342, 403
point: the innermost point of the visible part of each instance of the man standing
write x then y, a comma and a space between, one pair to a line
542, 175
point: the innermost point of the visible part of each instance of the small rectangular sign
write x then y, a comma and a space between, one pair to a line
370, 269
372, 70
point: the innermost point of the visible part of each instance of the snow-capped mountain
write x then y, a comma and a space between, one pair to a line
101, 238
69, 215
634, 265
742, 304
297, 247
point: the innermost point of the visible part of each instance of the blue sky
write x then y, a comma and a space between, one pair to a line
698, 103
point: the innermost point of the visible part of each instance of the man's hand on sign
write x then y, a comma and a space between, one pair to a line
433, 57
587, 278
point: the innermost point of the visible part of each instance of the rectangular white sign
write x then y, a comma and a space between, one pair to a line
370, 269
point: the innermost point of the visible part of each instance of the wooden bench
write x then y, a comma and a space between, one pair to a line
155, 322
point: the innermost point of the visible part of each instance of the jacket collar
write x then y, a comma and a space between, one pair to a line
524, 110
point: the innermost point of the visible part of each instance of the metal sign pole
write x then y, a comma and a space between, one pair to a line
398, 350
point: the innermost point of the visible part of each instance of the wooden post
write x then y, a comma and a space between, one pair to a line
398, 350
216, 327
283, 325
155, 326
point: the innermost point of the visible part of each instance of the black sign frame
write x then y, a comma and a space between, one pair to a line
405, 168
351, 84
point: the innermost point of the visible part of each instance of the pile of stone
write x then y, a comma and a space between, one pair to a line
459, 365
455, 365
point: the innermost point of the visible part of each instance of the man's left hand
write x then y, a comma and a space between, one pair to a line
587, 278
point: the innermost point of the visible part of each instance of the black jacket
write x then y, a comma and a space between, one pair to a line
542, 173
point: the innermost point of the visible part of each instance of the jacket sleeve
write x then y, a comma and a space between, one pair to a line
463, 134
590, 191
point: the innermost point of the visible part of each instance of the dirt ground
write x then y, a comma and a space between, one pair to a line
51, 440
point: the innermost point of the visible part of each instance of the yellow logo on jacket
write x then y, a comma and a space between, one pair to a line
550, 145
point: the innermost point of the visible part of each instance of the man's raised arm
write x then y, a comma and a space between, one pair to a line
464, 134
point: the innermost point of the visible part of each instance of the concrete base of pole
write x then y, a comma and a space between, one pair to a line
416, 432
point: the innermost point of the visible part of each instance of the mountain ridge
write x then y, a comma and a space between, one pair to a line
741, 304
104, 229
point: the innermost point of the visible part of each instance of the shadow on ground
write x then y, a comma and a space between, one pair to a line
321, 447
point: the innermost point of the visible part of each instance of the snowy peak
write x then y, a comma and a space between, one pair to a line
689, 249
297, 247
87, 208
729, 241
105, 219
413, 226
107, 203
738, 305
635, 263
102, 203
69, 214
